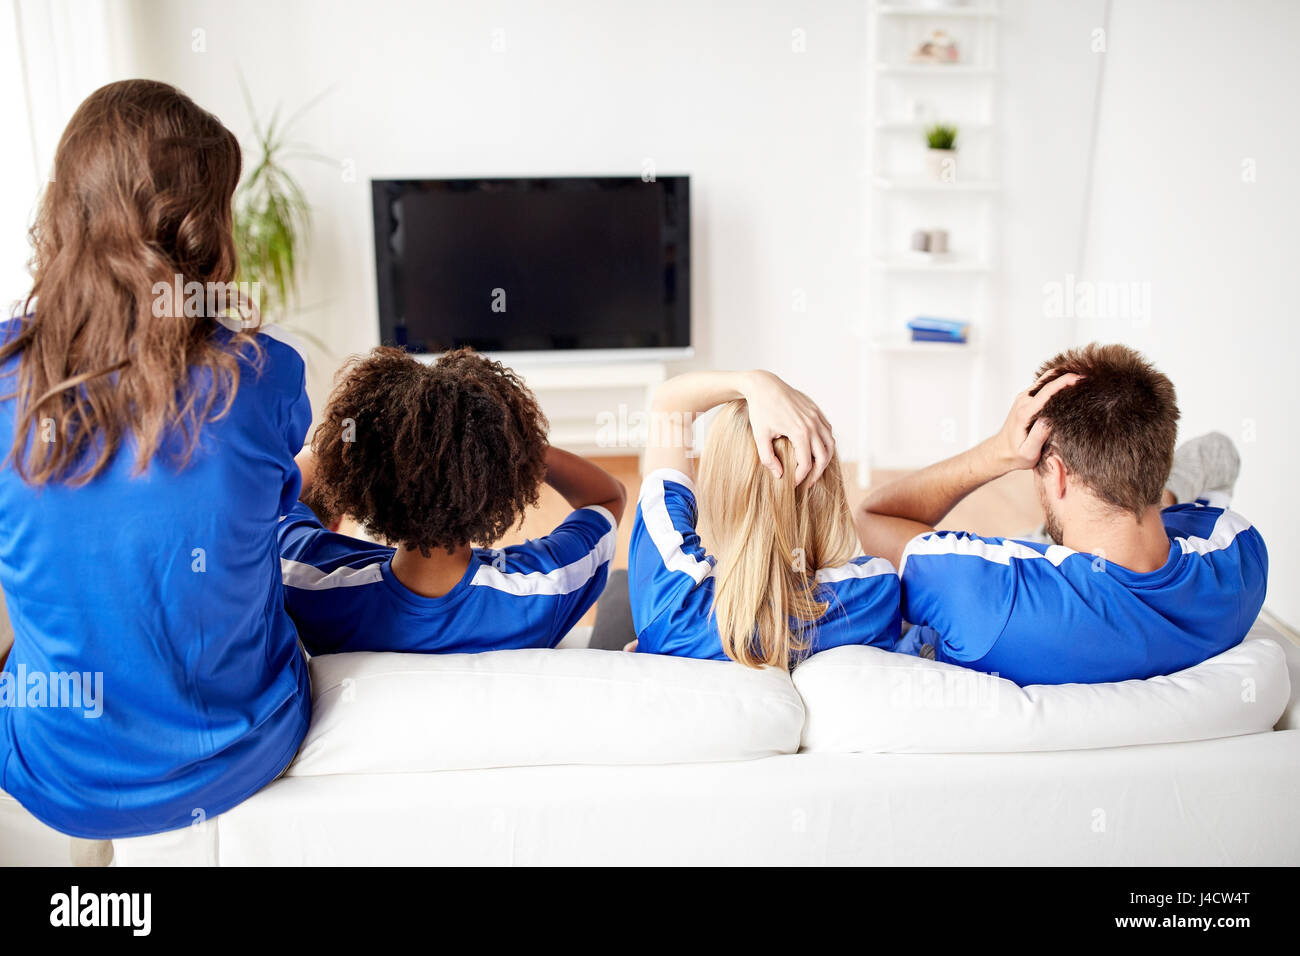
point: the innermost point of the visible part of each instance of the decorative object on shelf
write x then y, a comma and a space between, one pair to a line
941, 139
930, 244
927, 328
938, 48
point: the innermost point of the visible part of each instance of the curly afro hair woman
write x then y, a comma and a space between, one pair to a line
429, 456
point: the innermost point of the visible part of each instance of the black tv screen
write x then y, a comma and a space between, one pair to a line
517, 265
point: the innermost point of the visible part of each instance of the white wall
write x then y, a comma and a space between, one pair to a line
1048, 90
773, 139
1192, 92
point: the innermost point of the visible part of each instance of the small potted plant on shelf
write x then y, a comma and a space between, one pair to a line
942, 142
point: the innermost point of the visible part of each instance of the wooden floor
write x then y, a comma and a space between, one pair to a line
1007, 506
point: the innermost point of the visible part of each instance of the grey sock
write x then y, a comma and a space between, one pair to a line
1205, 466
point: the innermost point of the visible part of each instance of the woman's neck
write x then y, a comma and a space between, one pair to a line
433, 576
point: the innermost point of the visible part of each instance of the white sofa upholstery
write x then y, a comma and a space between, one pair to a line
412, 713
866, 700
425, 763
1211, 802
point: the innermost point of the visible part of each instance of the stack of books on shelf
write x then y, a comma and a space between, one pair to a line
925, 328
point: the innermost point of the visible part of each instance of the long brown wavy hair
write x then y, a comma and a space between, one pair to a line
141, 194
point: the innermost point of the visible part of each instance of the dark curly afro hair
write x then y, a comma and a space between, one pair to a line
429, 456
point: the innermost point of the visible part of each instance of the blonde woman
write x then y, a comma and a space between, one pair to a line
752, 556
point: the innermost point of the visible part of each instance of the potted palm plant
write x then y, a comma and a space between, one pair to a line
941, 139
273, 220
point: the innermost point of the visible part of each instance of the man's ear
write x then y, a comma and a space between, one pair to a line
1055, 477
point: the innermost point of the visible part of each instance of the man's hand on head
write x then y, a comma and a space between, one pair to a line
1019, 443
891, 516
895, 513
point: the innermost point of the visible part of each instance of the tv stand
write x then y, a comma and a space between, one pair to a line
595, 408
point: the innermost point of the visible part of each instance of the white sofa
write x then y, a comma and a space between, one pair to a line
593, 757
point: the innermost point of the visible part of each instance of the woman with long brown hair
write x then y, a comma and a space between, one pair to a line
154, 679
750, 554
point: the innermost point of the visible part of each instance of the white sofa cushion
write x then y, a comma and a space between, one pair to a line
407, 713
865, 700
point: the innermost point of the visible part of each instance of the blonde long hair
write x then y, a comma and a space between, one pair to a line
769, 538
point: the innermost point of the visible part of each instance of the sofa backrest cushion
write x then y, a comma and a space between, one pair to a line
408, 713
865, 700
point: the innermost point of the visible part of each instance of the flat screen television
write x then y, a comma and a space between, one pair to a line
555, 264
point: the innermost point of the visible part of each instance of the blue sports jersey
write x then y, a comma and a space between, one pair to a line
1044, 614
670, 583
344, 596
155, 678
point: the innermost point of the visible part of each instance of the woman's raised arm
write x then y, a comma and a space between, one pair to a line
775, 410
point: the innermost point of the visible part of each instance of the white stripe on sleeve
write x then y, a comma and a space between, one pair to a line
667, 539
867, 569
563, 580
999, 552
308, 577
1225, 531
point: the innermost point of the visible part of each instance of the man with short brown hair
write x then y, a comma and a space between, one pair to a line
1146, 572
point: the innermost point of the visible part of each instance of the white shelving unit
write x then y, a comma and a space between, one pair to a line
920, 400
931, 186
926, 69
951, 11
942, 266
